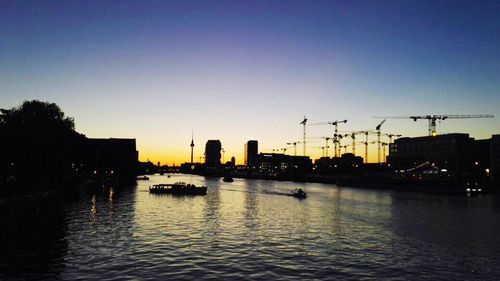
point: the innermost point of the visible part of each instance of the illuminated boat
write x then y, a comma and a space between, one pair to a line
178, 188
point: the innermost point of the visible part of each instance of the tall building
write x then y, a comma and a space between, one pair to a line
252, 154
212, 153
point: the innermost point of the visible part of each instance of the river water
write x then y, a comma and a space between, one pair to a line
250, 229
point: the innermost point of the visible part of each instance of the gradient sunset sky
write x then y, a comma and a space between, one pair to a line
241, 70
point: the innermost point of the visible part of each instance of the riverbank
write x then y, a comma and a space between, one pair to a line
385, 181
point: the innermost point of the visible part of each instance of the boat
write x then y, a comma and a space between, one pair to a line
228, 178
299, 193
178, 188
144, 178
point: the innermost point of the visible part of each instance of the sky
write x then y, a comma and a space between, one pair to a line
158, 71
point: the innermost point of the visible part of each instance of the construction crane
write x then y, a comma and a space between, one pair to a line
323, 148
336, 124
366, 146
326, 144
335, 138
392, 136
366, 133
344, 146
378, 138
284, 149
339, 137
304, 122
298, 142
384, 145
294, 146
433, 118
353, 137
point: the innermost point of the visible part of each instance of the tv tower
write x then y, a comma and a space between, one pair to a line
192, 146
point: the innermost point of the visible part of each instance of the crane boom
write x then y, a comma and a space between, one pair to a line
433, 118
335, 138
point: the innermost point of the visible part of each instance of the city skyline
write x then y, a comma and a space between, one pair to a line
250, 71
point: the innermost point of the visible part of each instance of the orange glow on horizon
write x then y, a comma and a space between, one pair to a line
178, 156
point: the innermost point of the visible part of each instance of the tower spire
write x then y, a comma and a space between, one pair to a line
192, 145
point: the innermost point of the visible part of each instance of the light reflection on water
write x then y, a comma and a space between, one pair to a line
249, 229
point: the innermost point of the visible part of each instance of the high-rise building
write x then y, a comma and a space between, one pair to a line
212, 153
252, 154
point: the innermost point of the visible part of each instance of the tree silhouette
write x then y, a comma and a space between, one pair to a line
36, 114
37, 144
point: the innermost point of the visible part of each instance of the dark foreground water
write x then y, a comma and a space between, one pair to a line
249, 229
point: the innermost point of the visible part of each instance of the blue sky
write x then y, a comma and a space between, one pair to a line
240, 70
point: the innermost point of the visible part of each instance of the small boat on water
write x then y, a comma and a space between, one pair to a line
299, 193
178, 188
228, 178
144, 178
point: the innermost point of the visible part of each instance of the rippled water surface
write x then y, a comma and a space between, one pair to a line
250, 229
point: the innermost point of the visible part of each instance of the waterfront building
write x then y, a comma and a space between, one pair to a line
192, 168
213, 154
278, 164
252, 154
273, 163
113, 156
482, 155
495, 158
348, 163
451, 152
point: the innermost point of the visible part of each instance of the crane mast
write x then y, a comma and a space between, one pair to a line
378, 138
326, 144
335, 135
353, 137
304, 122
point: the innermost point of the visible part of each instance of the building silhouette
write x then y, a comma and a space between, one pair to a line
113, 156
348, 163
495, 158
452, 152
252, 154
213, 154
278, 165
481, 155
